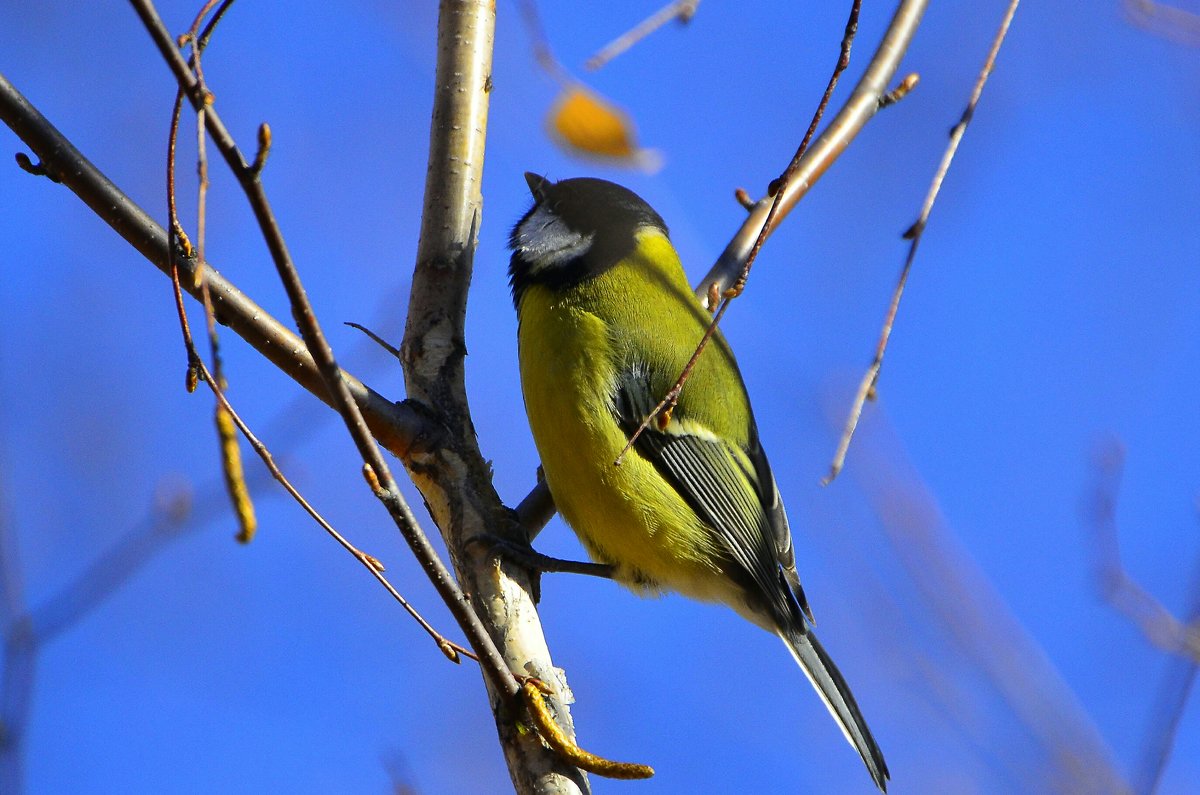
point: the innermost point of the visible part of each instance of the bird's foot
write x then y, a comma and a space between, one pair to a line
535, 562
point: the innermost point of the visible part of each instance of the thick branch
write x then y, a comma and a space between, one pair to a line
455, 479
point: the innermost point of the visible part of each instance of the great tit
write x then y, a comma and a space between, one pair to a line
606, 322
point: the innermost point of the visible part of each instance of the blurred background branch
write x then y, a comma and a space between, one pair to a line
1180, 638
973, 620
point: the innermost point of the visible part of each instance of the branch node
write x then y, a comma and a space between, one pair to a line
430, 436
192, 379
900, 91
714, 296
372, 479
743, 198
38, 169
451, 653
264, 149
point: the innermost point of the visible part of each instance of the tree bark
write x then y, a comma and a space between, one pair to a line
454, 479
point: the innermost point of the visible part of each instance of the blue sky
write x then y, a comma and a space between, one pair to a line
1055, 304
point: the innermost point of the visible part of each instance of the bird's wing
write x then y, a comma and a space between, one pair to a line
772, 504
730, 488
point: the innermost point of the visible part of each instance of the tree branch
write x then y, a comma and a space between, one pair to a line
864, 102
455, 480
400, 428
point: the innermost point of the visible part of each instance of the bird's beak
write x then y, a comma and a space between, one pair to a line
537, 185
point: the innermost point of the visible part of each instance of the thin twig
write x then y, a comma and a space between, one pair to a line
225, 410
323, 357
682, 10
235, 484
859, 108
193, 34
378, 340
172, 211
662, 412
404, 429
1156, 623
866, 388
370, 562
231, 456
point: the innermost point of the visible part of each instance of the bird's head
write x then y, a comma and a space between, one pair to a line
576, 230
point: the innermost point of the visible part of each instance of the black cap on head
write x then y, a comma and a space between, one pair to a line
590, 205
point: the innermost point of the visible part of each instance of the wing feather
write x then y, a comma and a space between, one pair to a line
730, 488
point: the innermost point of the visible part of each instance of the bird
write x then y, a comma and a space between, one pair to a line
606, 323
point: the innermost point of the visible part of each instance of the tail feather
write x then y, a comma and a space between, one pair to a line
834, 691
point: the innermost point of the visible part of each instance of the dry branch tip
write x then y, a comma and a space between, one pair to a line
554, 736
378, 340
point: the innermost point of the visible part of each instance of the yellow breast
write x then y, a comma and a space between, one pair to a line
628, 516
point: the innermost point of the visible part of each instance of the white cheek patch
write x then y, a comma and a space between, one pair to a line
544, 241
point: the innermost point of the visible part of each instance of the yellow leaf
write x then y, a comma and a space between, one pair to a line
588, 124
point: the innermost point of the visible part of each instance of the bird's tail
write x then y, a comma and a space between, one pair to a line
834, 691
